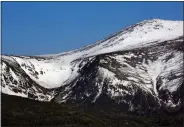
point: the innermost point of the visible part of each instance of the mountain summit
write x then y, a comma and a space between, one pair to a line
139, 69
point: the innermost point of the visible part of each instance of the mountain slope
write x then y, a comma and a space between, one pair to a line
140, 67
125, 77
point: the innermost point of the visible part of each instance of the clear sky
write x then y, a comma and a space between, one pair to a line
33, 28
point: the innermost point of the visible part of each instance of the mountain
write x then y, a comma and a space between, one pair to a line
139, 69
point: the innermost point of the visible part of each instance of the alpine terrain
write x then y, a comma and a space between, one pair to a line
139, 69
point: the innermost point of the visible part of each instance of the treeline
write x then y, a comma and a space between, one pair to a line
17, 111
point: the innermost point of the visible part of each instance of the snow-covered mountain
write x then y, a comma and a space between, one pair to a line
140, 66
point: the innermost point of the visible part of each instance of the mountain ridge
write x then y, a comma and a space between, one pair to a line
143, 60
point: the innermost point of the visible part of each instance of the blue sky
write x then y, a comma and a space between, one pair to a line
33, 28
